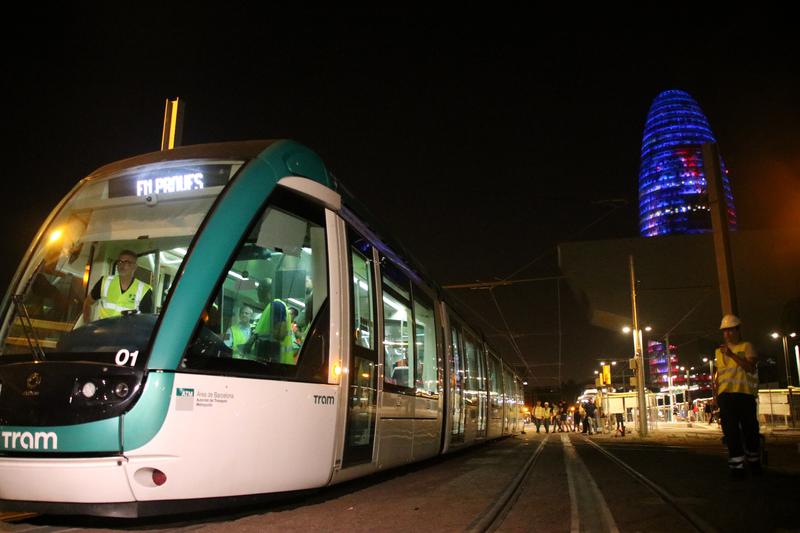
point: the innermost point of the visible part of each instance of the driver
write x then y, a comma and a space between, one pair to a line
121, 293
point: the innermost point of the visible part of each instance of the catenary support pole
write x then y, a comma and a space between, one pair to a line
639, 355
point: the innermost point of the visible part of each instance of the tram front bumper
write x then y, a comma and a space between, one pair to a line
61, 480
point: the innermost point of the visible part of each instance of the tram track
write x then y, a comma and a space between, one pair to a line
494, 516
692, 518
590, 507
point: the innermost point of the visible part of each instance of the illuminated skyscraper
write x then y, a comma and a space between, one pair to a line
673, 197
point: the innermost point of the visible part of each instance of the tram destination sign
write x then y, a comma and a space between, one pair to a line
169, 180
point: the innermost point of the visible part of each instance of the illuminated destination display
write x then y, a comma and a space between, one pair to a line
168, 184
165, 181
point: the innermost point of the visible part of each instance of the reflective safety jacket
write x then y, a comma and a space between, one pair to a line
239, 336
113, 301
538, 412
278, 331
733, 378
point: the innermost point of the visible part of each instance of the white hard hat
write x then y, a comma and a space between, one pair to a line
730, 321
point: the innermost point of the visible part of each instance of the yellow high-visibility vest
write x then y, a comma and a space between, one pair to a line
113, 301
733, 378
239, 336
281, 332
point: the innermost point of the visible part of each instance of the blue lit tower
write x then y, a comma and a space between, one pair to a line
673, 198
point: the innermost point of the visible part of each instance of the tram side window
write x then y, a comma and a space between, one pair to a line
427, 381
397, 328
364, 321
471, 371
494, 382
262, 318
508, 397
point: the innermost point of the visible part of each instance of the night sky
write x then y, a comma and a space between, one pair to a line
480, 146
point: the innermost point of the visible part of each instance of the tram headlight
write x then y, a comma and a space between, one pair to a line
121, 390
89, 389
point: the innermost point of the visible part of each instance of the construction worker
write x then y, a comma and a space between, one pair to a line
538, 415
735, 390
120, 293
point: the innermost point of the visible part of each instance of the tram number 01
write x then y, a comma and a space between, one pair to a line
123, 356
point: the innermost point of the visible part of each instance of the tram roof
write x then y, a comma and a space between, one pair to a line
244, 150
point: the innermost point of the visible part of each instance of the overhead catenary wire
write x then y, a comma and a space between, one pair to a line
511, 338
490, 285
569, 237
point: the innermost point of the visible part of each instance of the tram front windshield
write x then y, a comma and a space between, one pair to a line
100, 273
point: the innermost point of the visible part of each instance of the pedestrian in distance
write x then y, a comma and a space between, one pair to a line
547, 415
538, 415
557, 418
735, 390
589, 419
620, 424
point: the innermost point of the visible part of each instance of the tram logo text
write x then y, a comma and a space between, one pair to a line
324, 400
29, 441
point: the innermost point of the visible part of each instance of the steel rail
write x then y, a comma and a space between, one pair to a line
495, 515
696, 521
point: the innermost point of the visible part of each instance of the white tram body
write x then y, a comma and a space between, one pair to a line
378, 370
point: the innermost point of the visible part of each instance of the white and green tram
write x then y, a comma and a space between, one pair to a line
354, 362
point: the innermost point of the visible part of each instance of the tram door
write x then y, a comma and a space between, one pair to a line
363, 375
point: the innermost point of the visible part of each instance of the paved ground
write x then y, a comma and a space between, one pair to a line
572, 486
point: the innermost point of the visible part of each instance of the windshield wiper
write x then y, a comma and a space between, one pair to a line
27, 327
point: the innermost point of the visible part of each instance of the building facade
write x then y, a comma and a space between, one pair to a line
673, 196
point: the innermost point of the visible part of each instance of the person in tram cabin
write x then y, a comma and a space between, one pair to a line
297, 333
238, 335
119, 294
272, 337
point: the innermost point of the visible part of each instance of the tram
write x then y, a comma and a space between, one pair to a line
277, 343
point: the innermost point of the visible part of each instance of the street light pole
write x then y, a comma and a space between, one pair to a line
710, 361
788, 373
669, 377
786, 358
